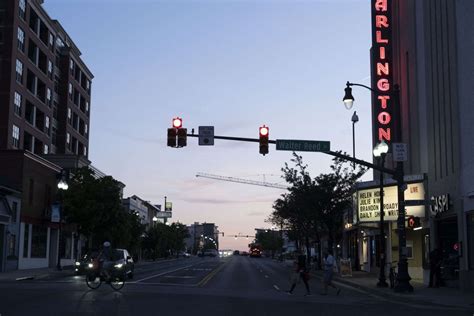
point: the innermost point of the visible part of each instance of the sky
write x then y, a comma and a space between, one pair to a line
234, 65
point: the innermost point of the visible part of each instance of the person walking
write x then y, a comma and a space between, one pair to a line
329, 264
435, 268
300, 271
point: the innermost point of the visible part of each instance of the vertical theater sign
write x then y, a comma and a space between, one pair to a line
382, 69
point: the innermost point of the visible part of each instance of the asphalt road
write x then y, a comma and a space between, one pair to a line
199, 286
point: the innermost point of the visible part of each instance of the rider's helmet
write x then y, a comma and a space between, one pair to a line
106, 244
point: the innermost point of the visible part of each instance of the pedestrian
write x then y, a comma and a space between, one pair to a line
435, 268
300, 271
329, 265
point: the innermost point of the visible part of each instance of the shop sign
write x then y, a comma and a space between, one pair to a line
441, 204
368, 202
382, 69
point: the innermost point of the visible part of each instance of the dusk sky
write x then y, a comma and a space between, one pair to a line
235, 65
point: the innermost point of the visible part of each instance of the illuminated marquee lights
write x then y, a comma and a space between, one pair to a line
381, 71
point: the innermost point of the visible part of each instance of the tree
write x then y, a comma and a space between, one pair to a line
313, 207
95, 206
161, 239
270, 241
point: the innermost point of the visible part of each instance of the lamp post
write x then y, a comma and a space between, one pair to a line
62, 186
354, 120
403, 278
379, 152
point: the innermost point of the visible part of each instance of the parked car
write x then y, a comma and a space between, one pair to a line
236, 252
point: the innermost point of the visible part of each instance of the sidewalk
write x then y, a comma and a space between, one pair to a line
443, 296
36, 274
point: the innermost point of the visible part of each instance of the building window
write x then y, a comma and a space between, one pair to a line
50, 67
11, 246
68, 141
39, 236
46, 122
87, 106
70, 91
86, 128
69, 115
85, 151
22, 9
16, 136
17, 102
19, 71
71, 64
21, 39
51, 39
48, 97
46, 149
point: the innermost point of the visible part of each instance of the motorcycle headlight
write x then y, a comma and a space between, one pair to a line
90, 265
78, 263
119, 265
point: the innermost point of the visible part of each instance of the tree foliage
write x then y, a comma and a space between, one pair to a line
270, 241
313, 207
95, 206
162, 240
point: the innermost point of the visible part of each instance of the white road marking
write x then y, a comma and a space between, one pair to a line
179, 276
266, 276
276, 287
160, 274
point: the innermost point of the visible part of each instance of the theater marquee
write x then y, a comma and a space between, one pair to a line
382, 69
368, 203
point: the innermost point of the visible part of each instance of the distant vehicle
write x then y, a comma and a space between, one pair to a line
184, 254
236, 252
124, 261
210, 253
81, 265
255, 250
244, 253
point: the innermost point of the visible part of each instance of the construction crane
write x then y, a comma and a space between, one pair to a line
239, 180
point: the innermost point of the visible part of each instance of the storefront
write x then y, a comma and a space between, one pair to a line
367, 225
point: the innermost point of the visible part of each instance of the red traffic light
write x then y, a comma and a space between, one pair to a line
177, 122
264, 131
263, 139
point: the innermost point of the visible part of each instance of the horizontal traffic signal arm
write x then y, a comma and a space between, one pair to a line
332, 153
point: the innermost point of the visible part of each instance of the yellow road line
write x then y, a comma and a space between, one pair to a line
211, 275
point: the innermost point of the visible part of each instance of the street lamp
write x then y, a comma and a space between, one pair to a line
354, 120
62, 186
403, 278
379, 152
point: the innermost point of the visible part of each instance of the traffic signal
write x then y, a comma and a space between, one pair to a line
182, 137
172, 132
177, 122
414, 222
263, 131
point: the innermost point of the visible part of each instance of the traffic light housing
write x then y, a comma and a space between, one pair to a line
414, 222
263, 137
172, 133
182, 137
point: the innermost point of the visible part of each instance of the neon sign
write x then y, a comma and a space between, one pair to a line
381, 68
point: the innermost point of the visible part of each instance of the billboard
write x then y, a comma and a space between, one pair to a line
368, 202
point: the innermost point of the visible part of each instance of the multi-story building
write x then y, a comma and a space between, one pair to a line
45, 92
43, 81
425, 47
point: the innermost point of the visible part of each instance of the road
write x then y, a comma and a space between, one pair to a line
199, 286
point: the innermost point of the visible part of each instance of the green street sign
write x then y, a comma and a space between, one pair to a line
302, 145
